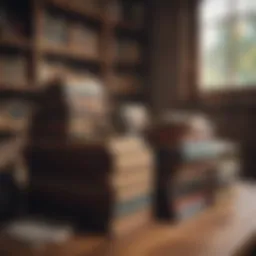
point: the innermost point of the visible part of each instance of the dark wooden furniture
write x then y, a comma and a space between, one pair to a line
30, 42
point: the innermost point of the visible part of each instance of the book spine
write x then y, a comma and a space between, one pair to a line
129, 207
137, 190
123, 226
125, 180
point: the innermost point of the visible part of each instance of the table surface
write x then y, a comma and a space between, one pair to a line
224, 230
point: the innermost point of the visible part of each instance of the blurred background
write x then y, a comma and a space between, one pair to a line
117, 115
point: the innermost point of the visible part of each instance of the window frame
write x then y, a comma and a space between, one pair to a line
232, 92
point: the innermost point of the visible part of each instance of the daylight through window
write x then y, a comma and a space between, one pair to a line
227, 44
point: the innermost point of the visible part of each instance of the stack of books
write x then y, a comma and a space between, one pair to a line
110, 188
195, 168
132, 182
87, 107
76, 110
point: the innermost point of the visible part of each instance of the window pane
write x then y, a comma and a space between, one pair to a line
213, 9
246, 40
246, 6
228, 44
215, 47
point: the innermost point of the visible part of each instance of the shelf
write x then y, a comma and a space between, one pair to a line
11, 87
66, 144
67, 7
22, 44
68, 54
24, 91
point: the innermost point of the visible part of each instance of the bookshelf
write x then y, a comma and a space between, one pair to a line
106, 22
22, 44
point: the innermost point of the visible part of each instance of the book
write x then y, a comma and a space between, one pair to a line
135, 204
129, 179
205, 149
136, 160
138, 189
126, 144
55, 29
124, 225
190, 205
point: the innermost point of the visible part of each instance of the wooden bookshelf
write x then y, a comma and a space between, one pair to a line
108, 30
24, 91
69, 7
23, 44
69, 54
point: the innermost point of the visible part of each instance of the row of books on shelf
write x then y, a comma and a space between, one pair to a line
58, 32
117, 10
82, 39
57, 28
121, 83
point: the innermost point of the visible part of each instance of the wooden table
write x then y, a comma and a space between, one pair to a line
220, 231
223, 231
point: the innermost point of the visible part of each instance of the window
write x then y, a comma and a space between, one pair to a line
227, 44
